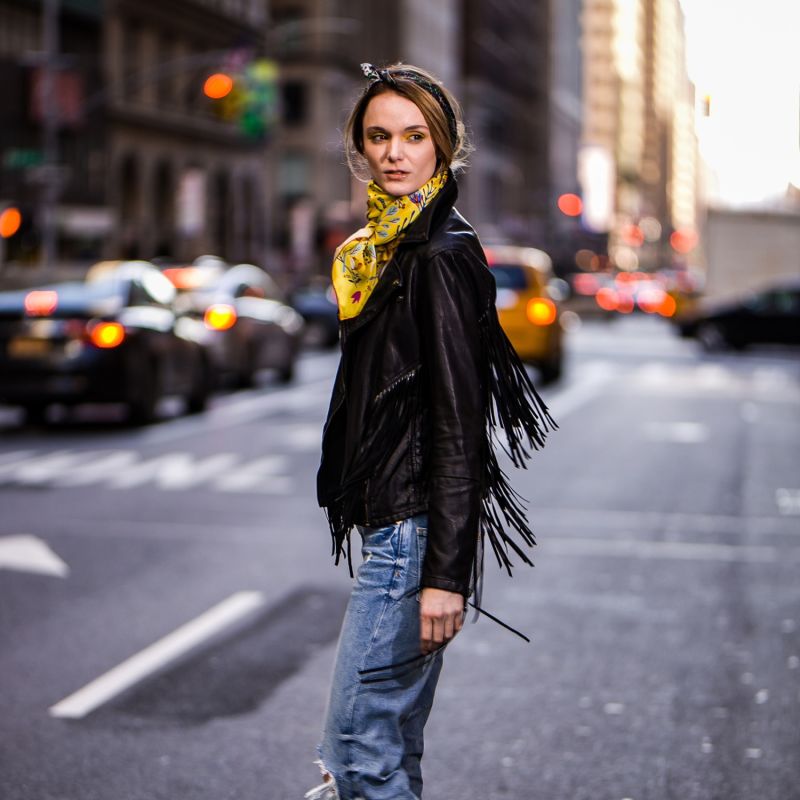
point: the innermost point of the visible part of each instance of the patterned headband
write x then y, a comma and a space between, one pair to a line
374, 76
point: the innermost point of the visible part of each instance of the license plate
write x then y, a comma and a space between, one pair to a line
25, 347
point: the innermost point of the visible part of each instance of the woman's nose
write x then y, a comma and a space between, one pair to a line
395, 150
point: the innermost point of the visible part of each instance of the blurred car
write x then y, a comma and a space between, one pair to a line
116, 338
317, 304
771, 316
528, 312
249, 327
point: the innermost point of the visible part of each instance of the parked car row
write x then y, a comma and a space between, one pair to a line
132, 333
770, 316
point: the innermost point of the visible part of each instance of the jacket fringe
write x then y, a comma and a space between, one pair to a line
514, 408
517, 420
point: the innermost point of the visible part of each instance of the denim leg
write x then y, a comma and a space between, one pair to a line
382, 685
413, 728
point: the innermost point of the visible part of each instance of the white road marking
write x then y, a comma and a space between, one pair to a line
262, 475
766, 386
681, 432
172, 471
26, 553
683, 551
788, 501
158, 655
244, 410
39, 469
125, 469
594, 376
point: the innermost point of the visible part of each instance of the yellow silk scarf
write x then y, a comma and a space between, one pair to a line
360, 259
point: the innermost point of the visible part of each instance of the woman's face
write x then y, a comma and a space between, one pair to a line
397, 144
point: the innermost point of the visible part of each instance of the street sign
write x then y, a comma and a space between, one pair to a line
22, 157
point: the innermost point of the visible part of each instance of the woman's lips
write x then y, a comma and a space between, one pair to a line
395, 174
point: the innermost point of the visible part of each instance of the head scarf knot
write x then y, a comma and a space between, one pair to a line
359, 260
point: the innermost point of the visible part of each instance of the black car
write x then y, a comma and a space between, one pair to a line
317, 305
116, 338
248, 326
771, 316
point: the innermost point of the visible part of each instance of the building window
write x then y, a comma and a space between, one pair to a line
293, 175
295, 102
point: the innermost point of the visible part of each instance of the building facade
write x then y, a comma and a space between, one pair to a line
638, 128
145, 163
77, 171
506, 92
182, 177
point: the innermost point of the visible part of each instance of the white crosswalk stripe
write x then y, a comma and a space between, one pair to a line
128, 469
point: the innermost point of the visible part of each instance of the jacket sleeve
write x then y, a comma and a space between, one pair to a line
450, 306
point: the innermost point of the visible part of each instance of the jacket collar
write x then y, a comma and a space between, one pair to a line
433, 213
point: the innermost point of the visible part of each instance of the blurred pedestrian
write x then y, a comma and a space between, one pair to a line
408, 457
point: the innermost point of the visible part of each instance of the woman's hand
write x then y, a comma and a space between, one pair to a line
441, 616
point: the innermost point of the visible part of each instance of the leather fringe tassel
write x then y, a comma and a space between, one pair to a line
515, 408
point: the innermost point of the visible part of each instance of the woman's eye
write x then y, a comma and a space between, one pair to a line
377, 137
416, 137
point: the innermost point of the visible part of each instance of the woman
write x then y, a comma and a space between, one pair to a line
426, 376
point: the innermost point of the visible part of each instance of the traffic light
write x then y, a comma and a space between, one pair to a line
218, 85
247, 96
10, 222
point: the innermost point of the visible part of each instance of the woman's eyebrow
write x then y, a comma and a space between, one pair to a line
376, 128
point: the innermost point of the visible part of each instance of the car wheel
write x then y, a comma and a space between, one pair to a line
550, 370
711, 336
35, 414
197, 400
286, 373
143, 408
246, 376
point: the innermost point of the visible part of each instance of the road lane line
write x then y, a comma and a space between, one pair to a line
158, 655
684, 551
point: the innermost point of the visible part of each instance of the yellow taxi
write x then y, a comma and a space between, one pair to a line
528, 313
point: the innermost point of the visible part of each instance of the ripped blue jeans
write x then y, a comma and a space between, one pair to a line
383, 687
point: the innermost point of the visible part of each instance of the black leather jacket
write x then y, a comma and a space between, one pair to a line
414, 404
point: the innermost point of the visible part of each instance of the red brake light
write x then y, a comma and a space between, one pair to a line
607, 299
107, 335
41, 302
541, 311
220, 317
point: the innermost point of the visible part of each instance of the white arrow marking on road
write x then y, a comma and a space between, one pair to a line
681, 432
158, 655
26, 553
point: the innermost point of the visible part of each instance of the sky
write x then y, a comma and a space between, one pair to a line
745, 54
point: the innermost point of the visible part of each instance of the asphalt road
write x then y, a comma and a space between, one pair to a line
168, 607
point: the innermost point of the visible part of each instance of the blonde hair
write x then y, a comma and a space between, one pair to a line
448, 133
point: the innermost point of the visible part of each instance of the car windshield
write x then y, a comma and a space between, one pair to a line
509, 276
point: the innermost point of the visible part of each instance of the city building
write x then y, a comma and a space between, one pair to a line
141, 162
506, 56
71, 164
639, 149
183, 176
